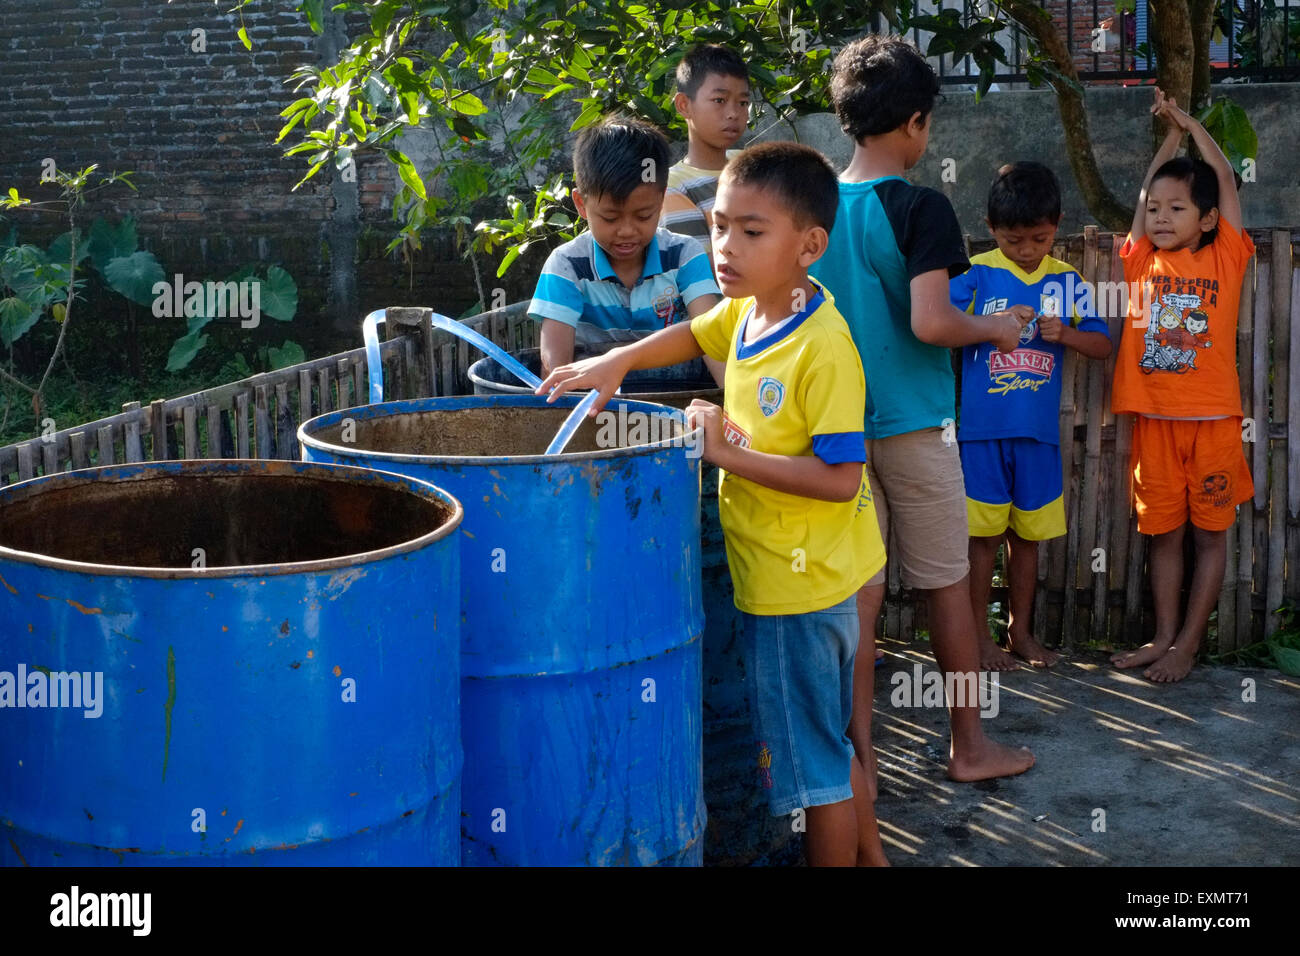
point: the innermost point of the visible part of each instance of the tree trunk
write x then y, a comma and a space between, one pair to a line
1101, 202
1171, 40
1202, 23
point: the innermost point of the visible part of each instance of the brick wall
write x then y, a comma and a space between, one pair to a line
1077, 27
122, 83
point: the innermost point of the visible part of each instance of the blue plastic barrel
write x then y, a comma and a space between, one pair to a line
741, 832
580, 696
253, 663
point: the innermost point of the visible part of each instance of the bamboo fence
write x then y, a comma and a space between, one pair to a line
1092, 582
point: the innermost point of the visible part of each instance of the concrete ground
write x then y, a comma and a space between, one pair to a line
1128, 772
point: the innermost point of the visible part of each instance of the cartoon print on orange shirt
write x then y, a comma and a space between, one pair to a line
1176, 329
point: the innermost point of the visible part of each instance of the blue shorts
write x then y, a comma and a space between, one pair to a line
800, 698
1013, 483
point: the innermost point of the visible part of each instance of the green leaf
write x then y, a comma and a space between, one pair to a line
243, 38
134, 276
235, 370
184, 349
290, 353
1231, 128
467, 103
587, 117
16, 317
511, 255
542, 77
108, 242
279, 295
61, 248
314, 12
406, 169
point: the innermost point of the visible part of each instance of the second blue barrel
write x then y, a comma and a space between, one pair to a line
582, 618
741, 831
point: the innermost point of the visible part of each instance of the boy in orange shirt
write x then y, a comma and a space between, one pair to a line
1177, 372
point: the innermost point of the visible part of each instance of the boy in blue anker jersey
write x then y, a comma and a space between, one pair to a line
1009, 433
625, 277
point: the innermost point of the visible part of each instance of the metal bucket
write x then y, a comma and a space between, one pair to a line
580, 698
741, 831
271, 650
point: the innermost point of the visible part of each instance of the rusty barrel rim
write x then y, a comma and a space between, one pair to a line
251, 467
308, 438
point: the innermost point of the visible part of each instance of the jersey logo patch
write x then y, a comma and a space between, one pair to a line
770, 395
734, 433
665, 304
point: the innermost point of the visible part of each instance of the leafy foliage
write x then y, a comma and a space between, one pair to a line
469, 72
1230, 126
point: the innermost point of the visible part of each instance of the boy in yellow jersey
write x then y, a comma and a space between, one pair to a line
796, 508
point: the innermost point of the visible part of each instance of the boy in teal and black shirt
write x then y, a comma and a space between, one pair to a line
1009, 435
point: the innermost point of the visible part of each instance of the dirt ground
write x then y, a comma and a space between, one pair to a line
1128, 772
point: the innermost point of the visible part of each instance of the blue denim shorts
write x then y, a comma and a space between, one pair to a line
800, 697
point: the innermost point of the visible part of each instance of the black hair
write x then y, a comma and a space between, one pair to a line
1024, 194
1202, 182
706, 58
878, 83
609, 158
800, 178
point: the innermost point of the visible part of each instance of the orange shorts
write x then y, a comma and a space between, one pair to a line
1185, 468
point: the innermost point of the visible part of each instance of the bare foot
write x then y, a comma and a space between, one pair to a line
994, 658
1146, 654
1174, 665
1026, 646
990, 760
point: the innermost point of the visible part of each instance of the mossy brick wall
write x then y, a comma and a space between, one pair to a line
125, 84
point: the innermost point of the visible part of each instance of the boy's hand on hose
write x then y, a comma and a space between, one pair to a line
604, 373
1007, 326
706, 415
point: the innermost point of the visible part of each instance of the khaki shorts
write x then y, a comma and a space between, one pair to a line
916, 483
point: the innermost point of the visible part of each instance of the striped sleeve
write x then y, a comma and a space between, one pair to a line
557, 295
695, 274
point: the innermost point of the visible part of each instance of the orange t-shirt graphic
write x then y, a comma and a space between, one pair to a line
1178, 351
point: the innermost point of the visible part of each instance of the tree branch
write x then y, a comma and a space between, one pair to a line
1102, 203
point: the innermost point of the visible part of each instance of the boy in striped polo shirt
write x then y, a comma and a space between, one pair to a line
624, 278
713, 98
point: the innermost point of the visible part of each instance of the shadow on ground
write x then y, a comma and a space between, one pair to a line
1183, 774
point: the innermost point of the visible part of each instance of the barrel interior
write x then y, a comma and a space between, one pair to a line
692, 376
238, 519
498, 431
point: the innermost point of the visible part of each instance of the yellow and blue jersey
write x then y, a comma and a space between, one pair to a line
1017, 394
798, 390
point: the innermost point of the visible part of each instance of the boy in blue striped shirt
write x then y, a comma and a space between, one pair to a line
624, 278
